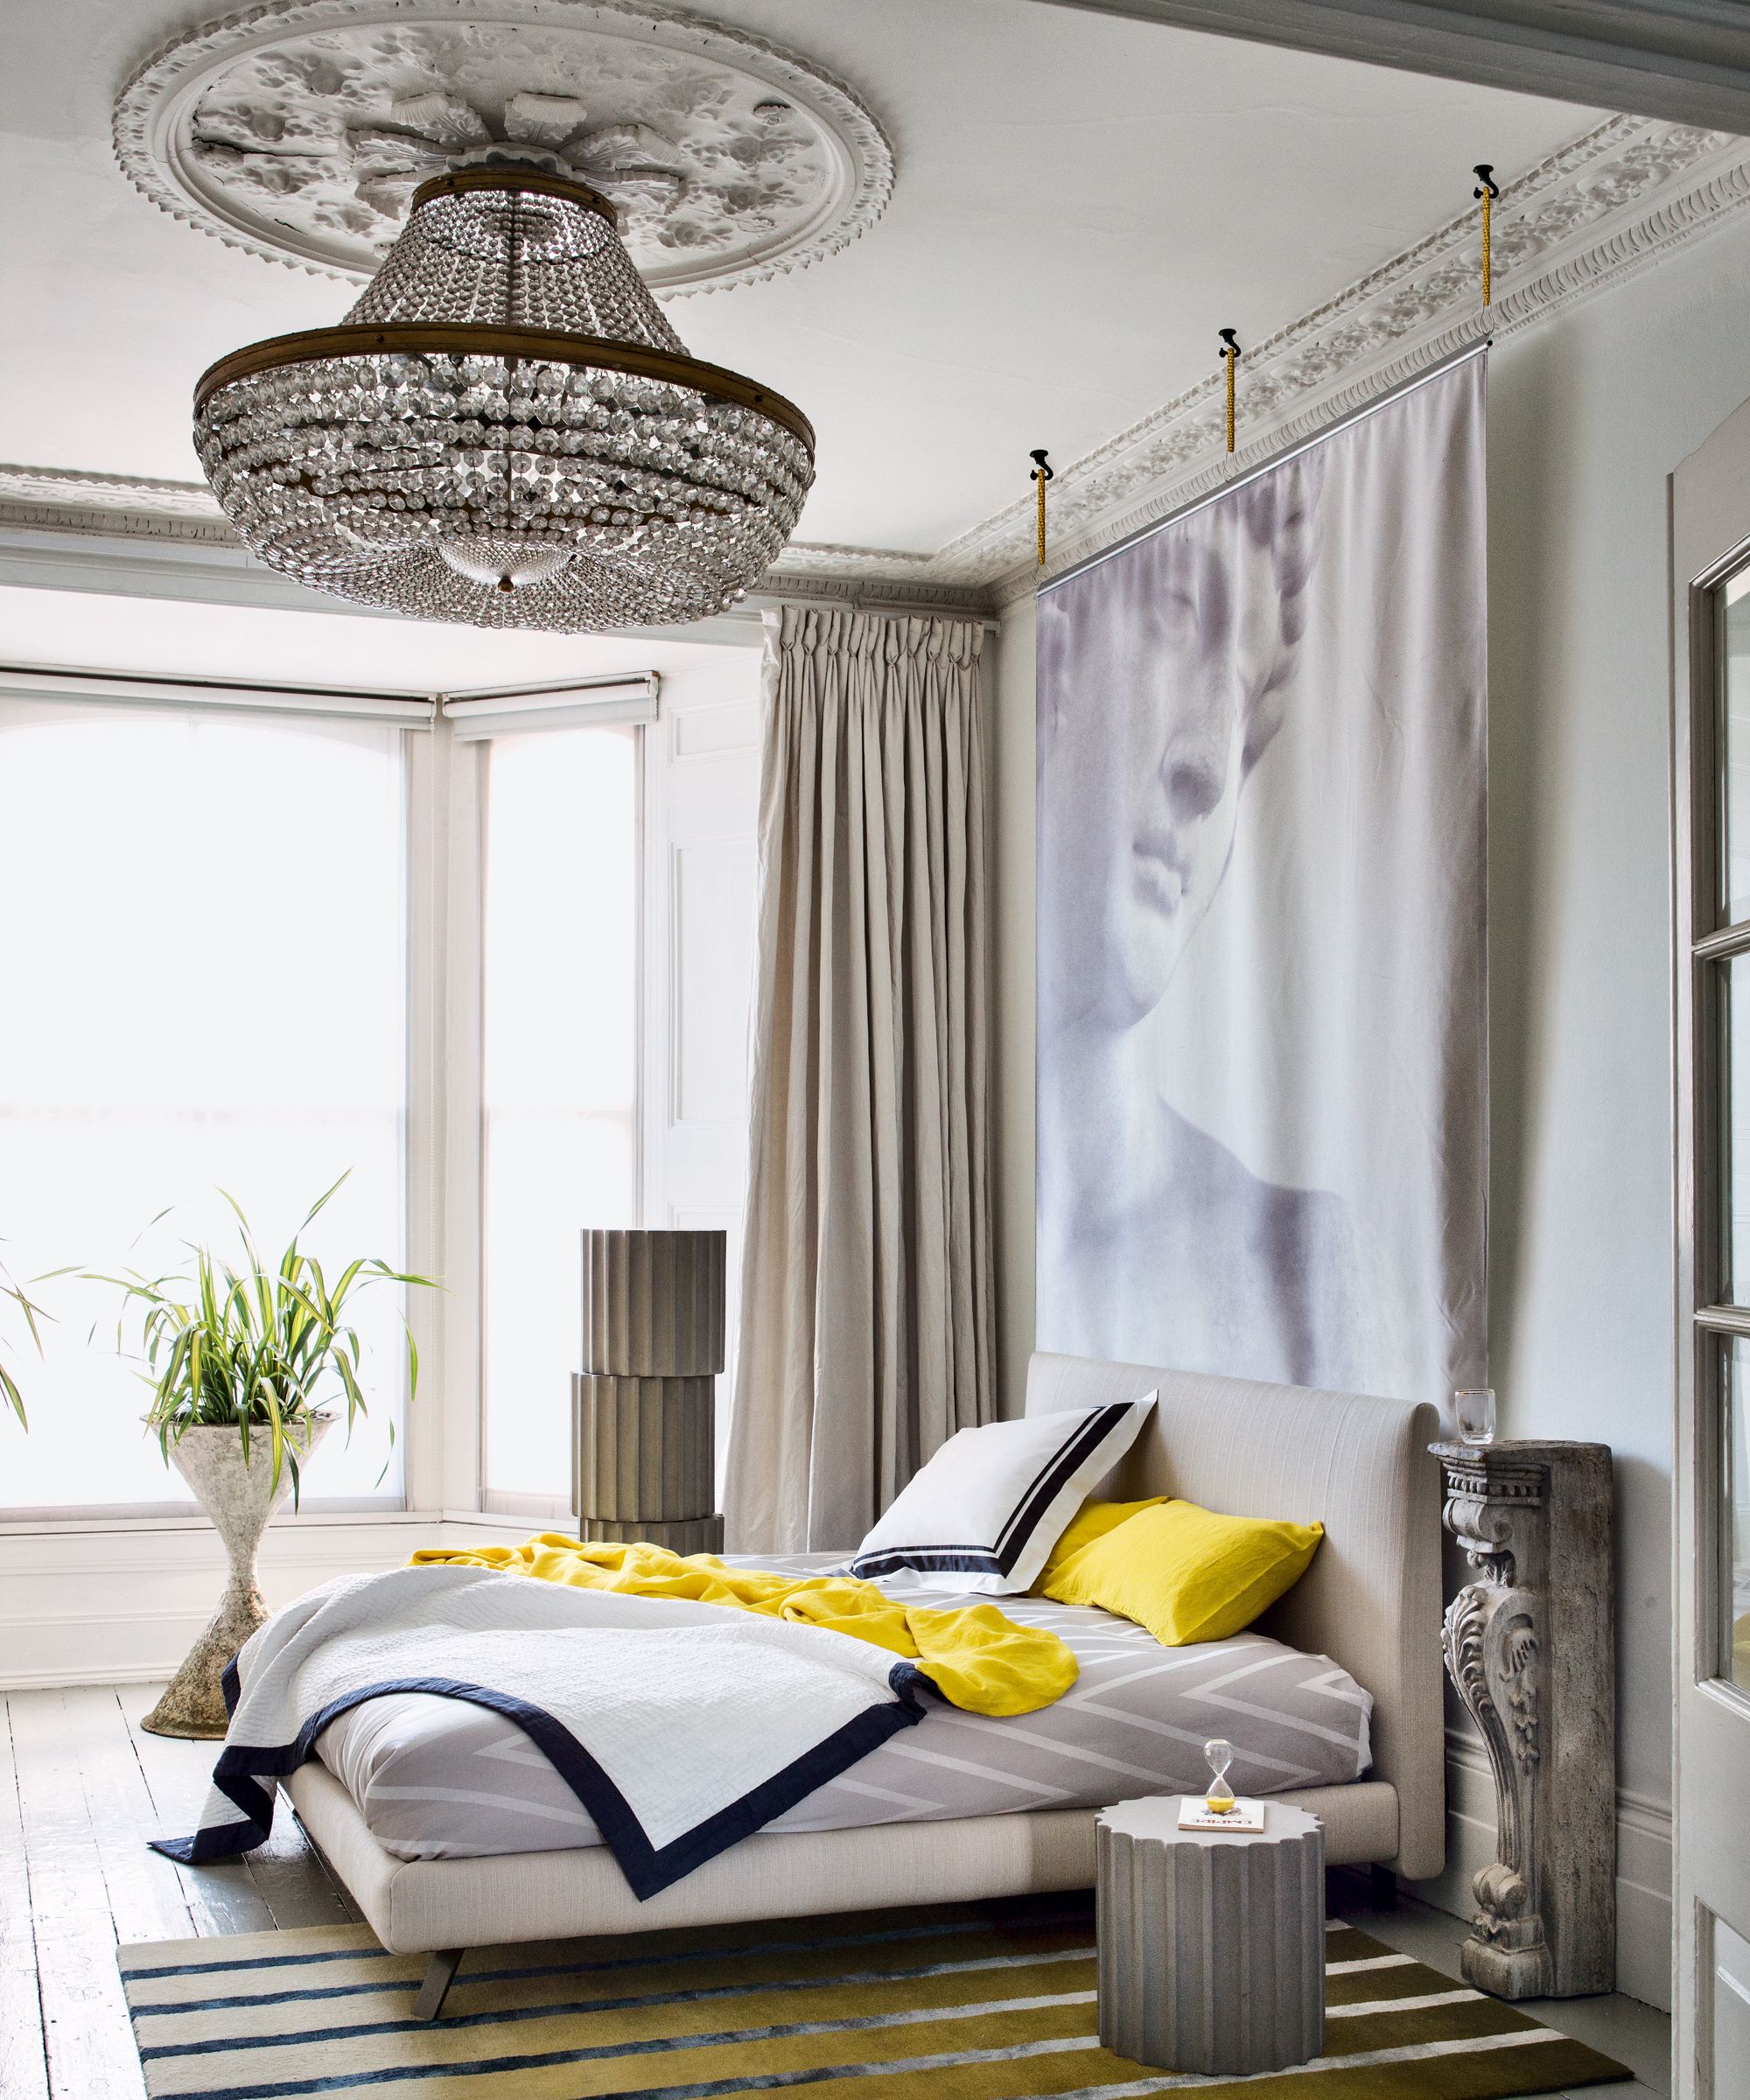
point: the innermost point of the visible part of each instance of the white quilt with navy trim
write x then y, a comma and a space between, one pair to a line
680, 1727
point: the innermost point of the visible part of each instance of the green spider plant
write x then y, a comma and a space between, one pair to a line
249, 1348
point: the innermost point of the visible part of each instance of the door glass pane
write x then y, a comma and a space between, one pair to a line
1734, 816
1734, 983
1735, 1516
1731, 2005
206, 989
560, 1076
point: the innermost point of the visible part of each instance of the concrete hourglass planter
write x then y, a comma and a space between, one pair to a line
241, 1499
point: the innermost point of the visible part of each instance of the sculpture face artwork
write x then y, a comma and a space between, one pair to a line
1262, 881
1180, 684
1178, 695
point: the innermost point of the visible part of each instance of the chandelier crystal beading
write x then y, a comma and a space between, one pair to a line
505, 431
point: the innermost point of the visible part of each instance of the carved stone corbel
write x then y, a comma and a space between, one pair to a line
1529, 1647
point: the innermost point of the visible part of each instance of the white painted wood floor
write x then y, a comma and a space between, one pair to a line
83, 1787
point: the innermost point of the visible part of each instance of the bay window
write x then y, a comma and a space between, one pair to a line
490, 962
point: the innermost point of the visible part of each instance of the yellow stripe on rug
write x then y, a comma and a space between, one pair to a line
969, 2002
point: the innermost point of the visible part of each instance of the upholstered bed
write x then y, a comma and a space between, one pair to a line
1370, 1602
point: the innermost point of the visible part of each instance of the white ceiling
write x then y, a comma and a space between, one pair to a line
1081, 202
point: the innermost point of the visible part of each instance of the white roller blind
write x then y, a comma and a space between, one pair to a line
559, 1089
25, 682
205, 943
571, 703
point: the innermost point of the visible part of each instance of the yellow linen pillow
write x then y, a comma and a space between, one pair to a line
1093, 1520
1187, 1574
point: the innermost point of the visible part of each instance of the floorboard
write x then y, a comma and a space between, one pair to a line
83, 1787
87, 2040
23, 2070
146, 1896
222, 1896
293, 1881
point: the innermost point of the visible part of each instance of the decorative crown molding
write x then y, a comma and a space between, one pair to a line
298, 130
1605, 207
69, 489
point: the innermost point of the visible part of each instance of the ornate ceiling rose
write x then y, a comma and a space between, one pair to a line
299, 131
505, 430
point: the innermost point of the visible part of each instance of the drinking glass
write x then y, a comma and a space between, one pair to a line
1474, 1412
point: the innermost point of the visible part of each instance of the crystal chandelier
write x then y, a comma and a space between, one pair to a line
504, 430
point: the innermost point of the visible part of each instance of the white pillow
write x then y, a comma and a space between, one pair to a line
990, 1505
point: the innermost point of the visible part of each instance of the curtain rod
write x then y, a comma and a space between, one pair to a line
1265, 466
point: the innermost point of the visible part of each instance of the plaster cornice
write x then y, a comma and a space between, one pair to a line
1606, 207
88, 502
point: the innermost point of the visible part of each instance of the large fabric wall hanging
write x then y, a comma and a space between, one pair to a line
867, 1334
1263, 993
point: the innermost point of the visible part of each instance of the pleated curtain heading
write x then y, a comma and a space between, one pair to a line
867, 1334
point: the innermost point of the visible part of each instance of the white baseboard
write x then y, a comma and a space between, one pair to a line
124, 1604
1643, 1869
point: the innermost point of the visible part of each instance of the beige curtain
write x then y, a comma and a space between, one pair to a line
867, 1328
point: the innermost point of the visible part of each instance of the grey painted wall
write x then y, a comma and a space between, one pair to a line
1588, 415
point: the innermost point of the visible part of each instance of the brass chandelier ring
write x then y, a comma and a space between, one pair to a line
546, 346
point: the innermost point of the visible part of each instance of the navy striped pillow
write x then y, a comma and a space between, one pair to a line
986, 1510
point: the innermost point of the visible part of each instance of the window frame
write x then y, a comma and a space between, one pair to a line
443, 799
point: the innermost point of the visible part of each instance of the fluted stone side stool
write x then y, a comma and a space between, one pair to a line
644, 1406
1212, 1945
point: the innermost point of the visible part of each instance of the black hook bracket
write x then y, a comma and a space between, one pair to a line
1485, 170
1042, 472
1230, 342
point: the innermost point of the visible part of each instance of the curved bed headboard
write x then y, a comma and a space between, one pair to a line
1359, 1465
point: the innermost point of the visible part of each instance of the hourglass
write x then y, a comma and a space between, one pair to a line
1220, 1799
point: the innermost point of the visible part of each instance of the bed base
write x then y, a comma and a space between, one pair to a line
444, 1906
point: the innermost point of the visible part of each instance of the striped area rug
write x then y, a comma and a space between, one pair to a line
975, 2002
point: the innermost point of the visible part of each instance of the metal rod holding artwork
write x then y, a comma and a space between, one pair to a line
1485, 171
1039, 476
1230, 357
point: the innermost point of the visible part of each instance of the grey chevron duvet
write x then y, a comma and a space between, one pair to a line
437, 1779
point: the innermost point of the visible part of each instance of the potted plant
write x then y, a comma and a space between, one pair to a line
239, 1361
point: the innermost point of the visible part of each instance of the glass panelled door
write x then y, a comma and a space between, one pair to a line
1712, 1476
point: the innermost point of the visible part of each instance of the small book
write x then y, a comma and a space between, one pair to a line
1195, 1813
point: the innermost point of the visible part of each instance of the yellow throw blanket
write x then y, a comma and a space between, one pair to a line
976, 1658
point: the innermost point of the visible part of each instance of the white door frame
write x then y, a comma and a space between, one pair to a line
1710, 540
